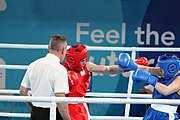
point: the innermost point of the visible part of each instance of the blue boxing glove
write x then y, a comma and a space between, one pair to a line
141, 75
126, 63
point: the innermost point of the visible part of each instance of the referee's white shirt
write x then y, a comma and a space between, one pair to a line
45, 77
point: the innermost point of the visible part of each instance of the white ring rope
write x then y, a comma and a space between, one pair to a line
114, 118
21, 67
4, 114
87, 100
30, 46
94, 94
23, 46
91, 117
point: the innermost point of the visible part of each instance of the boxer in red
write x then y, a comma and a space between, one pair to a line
79, 73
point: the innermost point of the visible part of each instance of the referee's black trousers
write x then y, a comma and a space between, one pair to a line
39, 113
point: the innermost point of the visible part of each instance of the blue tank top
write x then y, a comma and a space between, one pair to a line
158, 95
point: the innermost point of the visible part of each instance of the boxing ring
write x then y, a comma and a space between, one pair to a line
103, 98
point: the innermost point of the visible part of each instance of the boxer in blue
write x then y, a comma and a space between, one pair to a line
166, 84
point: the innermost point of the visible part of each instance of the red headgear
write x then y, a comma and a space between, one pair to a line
75, 54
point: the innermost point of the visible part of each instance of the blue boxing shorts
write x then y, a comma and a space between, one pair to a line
161, 112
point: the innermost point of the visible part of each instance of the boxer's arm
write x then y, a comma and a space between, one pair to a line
153, 70
171, 88
112, 69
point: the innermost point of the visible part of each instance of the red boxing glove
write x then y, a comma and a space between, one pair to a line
141, 61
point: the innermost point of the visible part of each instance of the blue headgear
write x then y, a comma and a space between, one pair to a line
169, 64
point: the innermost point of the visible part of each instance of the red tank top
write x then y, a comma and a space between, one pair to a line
80, 86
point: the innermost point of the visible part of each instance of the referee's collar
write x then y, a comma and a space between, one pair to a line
52, 56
